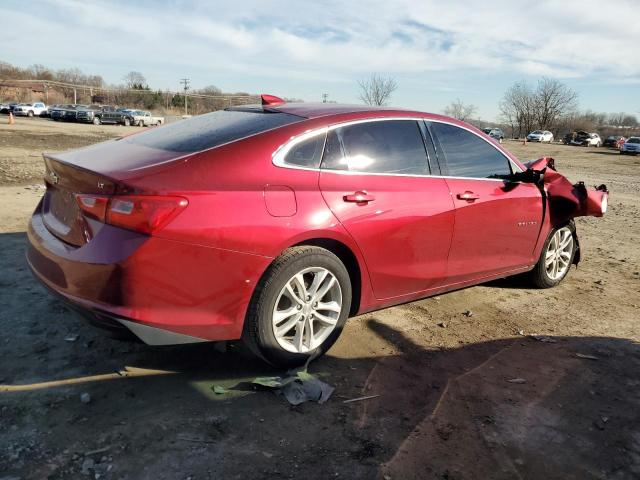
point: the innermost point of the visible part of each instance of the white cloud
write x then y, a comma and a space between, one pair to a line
332, 41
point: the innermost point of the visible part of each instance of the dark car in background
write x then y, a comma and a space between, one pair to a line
614, 141
65, 113
120, 116
94, 114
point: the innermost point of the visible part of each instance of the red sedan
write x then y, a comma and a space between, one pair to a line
276, 222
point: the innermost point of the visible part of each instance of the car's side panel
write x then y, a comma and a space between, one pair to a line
495, 232
404, 233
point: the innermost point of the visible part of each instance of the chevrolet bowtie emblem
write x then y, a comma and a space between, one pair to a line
54, 178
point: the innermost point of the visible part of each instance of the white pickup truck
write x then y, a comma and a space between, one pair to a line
30, 109
145, 119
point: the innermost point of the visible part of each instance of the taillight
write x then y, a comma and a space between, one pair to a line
142, 213
93, 206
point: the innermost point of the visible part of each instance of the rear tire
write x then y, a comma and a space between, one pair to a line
556, 257
299, 307
127, 122
29, 113
96, 121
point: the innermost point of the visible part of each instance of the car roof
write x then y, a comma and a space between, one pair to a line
317, 110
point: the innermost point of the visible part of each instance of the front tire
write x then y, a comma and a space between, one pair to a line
96, 121
127, 122
30, 114
299, 307
556, 258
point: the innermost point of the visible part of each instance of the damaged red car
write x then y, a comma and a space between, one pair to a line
274, 223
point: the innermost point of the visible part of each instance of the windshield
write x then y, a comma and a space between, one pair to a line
211, 130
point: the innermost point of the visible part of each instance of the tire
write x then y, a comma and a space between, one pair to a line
29, 113
141, 123
543, 274
127, 122
97, 121
295, 344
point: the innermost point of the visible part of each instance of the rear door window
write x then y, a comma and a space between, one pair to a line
210, 130
468, 155
389, 146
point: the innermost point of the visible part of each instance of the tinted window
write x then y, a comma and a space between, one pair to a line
306, 153
210, 130
332, 157
467, 155
393, 146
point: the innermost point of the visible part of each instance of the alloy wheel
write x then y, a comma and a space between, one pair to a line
557, 258
307, 310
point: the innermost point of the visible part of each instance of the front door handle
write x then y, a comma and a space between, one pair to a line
359, 197
469, 196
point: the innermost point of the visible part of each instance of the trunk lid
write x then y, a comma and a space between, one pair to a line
60, 209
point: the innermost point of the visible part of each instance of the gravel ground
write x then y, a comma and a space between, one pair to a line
495, 381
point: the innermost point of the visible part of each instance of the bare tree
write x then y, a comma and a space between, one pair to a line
377, 90
134, 79
552, 99
460, 110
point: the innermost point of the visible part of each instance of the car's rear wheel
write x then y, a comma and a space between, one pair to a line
96, 121
127, 122
299, 307
29, 113
556, 258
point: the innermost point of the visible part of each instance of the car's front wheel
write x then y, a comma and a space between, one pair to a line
96, 121
299, 307
556, 257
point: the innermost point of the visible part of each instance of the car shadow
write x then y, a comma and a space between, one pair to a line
552, 407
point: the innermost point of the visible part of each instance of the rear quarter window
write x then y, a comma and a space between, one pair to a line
210, 130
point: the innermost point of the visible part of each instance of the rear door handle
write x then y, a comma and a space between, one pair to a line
469, 196
359, 197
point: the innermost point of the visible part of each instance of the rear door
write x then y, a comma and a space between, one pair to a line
375, 177
496, 221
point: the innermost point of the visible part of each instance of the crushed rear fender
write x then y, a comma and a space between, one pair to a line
567, 200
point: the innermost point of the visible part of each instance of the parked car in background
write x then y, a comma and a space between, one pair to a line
631, 146
65, 113
275, 222
540, 136
586, 139
614, 141
120, 116
7, 107
94, 114
143, 118
29, 109
495, 133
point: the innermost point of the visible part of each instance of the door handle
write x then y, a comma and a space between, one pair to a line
469, 196
359, 197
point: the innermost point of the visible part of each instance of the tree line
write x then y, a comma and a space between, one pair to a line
133, 92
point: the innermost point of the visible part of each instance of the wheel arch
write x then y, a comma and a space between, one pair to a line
350, 261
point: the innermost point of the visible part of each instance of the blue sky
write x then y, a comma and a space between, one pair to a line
437, 51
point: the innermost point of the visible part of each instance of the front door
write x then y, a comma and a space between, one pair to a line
497, 222
375, 179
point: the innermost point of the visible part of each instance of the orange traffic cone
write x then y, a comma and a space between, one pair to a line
11, 119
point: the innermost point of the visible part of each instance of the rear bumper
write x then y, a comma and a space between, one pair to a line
163, 291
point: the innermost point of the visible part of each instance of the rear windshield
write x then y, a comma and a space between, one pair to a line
210, 130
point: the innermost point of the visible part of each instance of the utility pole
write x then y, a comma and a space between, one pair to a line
185, 83
324, 97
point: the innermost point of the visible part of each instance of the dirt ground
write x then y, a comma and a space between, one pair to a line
470, 396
